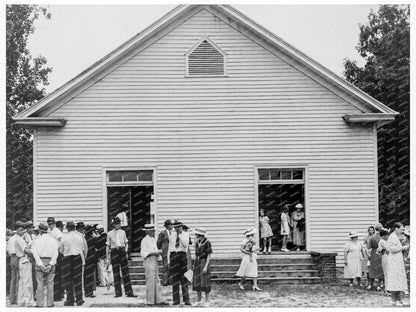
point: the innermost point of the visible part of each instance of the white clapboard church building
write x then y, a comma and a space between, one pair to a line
207, 117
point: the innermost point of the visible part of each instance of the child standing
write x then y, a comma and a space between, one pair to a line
266, 232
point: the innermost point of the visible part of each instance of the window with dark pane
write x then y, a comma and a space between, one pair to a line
286, 174
129, 176
275, 174
205, 60
115, 176
263, 174
297, 174
145, 175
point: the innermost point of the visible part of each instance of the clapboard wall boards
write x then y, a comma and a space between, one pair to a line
205, 137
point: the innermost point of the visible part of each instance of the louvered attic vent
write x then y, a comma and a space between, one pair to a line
205, 60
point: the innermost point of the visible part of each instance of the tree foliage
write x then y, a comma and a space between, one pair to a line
25, 80
384, 43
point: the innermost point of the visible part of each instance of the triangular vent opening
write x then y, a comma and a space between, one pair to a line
205, 60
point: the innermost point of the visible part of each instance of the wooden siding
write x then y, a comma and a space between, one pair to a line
206, 136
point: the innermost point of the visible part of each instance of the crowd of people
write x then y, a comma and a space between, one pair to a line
381, 258
71, 261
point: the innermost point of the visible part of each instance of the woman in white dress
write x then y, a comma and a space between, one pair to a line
285, 226
396, 281
353, 256
248, 266
266, 232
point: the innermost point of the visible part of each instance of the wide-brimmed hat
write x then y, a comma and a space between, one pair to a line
99, 226
28, 224
250, 231
50, 220
42, 227
177, 223
407, 230
353, 234
200, 231
20, 224
185, 227
80, 225
149, 227
299, 206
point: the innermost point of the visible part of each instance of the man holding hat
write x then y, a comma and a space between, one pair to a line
178, 246
45, 253
163, 244
117, 251
73, 249
150, 254
55, 233
25, 290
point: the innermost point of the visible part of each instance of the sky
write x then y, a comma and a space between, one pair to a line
77, 36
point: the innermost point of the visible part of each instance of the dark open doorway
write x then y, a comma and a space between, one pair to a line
137, 201
272, 198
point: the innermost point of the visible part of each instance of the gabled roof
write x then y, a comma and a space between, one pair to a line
377, 112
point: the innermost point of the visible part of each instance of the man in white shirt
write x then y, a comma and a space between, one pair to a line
150, 254
124, 224
117, 246
73, 249
25, 290
58, 282
14, 268
178, 246
45, 253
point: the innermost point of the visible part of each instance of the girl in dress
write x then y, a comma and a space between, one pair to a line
266, 232
366, 252
248, 266
353, 256
396, 281
284, 226
202, 273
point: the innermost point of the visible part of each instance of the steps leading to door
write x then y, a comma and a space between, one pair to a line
282, 268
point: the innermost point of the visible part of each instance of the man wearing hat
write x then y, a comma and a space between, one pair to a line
101, 255
29, 237
375, 270
55, 233
117, 246
73, 249
150, 254
45, 253
25, 289
163, 244
14, 267
178, 246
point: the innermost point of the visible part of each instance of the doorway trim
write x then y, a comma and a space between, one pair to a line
105, 169
303, 166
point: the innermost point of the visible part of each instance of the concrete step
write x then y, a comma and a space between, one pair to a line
266, 267
284, 273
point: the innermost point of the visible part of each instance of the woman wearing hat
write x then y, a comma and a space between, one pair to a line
298, 221
150, 254
353, 255
202, 273
248, 266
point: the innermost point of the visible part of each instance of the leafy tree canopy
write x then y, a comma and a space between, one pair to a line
384, 43
25, 81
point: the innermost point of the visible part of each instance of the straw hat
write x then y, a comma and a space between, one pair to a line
250, 231
200, 231
299, 206
149, 227
353, 234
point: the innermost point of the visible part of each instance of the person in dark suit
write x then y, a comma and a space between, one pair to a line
163, 244
90, 261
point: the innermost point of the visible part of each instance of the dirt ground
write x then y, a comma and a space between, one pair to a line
277, 296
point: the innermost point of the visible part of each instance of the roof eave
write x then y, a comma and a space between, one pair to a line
40, 122
379, 118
